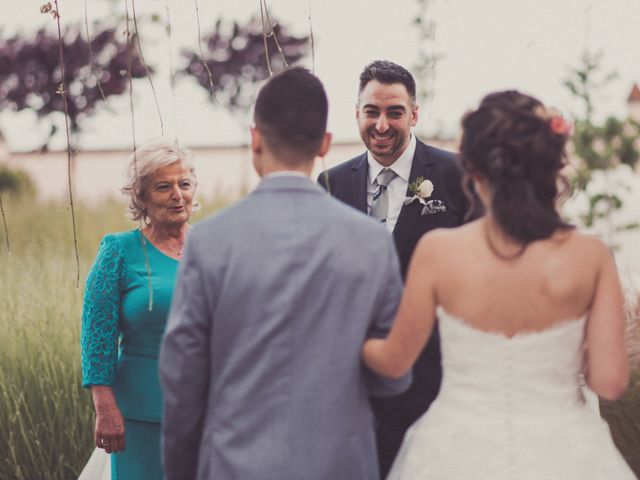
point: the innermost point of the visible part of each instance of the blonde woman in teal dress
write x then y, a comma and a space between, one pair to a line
126, 303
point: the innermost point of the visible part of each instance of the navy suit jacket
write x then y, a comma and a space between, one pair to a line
348, 183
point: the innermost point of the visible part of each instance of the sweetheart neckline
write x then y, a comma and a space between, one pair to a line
517, 335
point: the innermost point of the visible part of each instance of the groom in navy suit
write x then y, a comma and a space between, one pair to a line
413, 188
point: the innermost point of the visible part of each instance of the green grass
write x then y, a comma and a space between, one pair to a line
624, 422
622, 414
46, 418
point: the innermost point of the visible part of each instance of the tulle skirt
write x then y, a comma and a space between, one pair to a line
98, 467
448, 443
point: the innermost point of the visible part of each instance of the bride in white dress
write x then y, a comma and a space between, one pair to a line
526, 305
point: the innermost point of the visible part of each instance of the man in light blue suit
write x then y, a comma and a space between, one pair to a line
260, 363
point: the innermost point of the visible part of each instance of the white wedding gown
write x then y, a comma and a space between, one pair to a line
98, 467
510, 409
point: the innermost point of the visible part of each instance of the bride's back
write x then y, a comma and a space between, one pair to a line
551, 281
564, 277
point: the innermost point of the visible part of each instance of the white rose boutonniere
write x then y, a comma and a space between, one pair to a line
425, 189
421, 189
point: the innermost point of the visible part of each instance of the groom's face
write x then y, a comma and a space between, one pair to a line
385, 115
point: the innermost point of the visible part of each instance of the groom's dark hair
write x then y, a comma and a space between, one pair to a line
387, 73
291, 114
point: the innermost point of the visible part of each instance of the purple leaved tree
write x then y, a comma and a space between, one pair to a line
30, 74
236, 62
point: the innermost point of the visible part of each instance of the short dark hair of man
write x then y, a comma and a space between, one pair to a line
387, 73
291, 114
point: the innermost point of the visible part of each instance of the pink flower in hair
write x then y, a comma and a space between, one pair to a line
559, 125
557, 122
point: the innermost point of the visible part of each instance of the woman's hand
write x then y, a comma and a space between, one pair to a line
109, 433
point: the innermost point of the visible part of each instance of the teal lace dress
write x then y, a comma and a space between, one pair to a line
121, 338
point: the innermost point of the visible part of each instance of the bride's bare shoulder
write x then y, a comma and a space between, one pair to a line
442, 239
584, 244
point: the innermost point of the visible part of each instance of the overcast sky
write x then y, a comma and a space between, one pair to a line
486, 45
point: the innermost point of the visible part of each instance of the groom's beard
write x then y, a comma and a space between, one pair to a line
387, 147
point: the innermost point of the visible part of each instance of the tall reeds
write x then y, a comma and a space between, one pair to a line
623, 415
46, 417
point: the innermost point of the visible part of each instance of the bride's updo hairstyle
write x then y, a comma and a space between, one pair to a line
518, 146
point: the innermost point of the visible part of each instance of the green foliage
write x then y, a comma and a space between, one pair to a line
624, 422
600, 207
46, 418
601, 148
16, 182
424, 67
586, 79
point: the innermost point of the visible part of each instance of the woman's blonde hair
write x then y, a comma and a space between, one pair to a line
143, 163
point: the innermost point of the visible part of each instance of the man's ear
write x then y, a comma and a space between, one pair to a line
256, 140
256, 150
326, 143
414, 116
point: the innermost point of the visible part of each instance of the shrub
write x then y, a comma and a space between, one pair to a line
16, 182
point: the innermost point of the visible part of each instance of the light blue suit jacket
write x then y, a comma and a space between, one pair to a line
260, 364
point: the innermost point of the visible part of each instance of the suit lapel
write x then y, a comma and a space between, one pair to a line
359, 172
410, 214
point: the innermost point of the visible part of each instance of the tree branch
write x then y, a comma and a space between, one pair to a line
264, 39
204, 63
93, 64
144, 63
6, 230
313, 50
62, 90
272, 32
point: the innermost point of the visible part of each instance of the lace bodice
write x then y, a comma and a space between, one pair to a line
491, 374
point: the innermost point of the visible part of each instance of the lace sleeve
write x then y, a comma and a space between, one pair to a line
100, 315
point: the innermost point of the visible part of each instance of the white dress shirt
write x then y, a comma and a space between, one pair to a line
397, 188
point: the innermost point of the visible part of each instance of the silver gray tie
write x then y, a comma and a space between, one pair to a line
380, 204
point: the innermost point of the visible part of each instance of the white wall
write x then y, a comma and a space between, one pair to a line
227, 172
